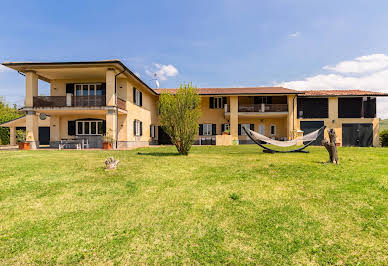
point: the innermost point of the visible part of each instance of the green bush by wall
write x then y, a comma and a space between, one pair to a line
384, 138
7, 113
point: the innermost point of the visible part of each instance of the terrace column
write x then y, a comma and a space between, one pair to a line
292, 125
234, 117
32, 130
55, 130
31, 88
111, 125
333, 119
110, 87
12, 135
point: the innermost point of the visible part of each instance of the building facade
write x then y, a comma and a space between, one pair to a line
90, 99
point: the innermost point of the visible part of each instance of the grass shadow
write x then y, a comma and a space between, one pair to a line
158, 154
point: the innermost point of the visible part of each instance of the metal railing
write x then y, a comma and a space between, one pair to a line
69, 101
260, 108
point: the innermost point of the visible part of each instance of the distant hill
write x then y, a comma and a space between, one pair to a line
383, 124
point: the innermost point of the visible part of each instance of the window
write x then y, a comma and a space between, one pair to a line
217, 102
138, 127
247, 126
273, 130
226, 127
152, 131
137, 97
262, 129
313, 107
207, 129
89, 128
88, 89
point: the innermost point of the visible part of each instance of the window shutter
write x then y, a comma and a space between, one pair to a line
134, 95
222, 128
239, 129
211, 102
224, 101
214, 129
70, 88
141, 99
252, 127
141, 128
134, 127
151, 131
71, 128
103, 127
200, 129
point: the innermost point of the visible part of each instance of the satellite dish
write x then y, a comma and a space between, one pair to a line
43, 116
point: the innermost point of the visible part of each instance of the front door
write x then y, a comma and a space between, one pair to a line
44, 135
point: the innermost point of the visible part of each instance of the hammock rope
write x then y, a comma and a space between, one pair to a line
310, 138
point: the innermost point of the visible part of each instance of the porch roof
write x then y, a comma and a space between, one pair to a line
70, 70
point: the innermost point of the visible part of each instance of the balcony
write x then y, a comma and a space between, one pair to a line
73, 101
263, 108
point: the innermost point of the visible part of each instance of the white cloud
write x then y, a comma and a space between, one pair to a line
376, 80
294, 35
361, 64
163, 72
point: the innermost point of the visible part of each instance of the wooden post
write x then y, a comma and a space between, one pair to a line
331, 146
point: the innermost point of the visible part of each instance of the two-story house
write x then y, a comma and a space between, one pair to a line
89, 99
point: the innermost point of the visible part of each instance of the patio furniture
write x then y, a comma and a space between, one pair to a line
69, 143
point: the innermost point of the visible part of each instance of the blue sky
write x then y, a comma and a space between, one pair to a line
210, 43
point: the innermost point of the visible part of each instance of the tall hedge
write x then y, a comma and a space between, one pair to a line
7, 113
384, 138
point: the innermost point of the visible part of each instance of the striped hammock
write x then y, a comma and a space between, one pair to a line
287, 143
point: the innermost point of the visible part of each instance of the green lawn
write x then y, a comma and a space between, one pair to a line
218, 205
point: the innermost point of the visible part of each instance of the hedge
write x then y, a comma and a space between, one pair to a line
384, 138
7, 113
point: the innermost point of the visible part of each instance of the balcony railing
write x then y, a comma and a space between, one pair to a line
69, 101
260, 108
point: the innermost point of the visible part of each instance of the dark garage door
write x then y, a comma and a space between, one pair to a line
163, 138
360, 135
310, 126
44, 135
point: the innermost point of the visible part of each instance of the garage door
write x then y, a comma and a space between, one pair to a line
310, 126
360, 135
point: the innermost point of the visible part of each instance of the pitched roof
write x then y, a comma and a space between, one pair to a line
342, 93
238, 91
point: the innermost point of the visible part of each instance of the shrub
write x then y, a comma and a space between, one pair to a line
179, 116
7, 113
384, 138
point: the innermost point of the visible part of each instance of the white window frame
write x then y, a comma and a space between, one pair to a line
270, 130
90, 127
226, 127
217, 103
247, 126
207, 130
262, 129
137, 97
137, 128
89, 86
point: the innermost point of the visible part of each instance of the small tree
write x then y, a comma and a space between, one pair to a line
179, 116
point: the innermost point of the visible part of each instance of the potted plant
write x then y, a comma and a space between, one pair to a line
21, 140
107, 140
226, 132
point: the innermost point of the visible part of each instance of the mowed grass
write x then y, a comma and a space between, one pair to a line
218, 205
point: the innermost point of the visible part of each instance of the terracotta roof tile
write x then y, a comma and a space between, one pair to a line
342, 93
229, 91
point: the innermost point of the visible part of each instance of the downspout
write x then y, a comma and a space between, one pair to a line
117, 110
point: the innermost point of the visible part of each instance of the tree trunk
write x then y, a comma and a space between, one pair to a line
331, 146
